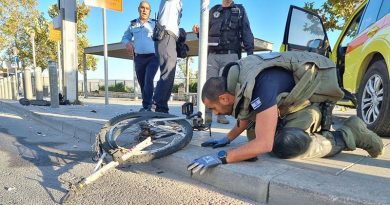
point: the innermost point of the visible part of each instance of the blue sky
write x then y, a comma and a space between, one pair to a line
267, 19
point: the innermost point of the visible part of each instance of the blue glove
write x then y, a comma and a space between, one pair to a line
215, 143
203, 163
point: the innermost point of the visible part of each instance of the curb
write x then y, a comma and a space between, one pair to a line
267, 181
58, 125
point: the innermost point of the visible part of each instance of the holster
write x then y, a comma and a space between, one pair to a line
158, 32
326, 112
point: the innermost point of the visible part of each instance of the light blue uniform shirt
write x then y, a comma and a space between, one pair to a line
170, 14
142, 34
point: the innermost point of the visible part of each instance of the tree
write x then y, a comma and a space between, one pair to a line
334, 13
182, 72
82, 28
17, 20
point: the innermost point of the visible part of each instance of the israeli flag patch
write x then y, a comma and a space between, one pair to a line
256, 103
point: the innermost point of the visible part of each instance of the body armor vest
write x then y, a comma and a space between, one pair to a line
225, 27
314, 75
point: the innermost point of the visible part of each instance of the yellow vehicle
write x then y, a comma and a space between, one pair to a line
361, 54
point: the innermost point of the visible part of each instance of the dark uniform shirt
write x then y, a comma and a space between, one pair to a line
269, 84
226, 31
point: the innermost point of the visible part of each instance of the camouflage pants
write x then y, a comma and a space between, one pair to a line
298, 136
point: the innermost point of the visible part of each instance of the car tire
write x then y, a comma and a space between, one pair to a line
374, 98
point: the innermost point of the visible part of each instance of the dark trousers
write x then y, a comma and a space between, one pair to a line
146, 68
166, 51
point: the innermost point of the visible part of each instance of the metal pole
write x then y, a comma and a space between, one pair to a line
2, 91
1, 88
60, 70
27, 83
16, 74
33, 47
14, 87
135, 81
9, 86
85, 70
187, 75
6, 88
105, 58
38, 83
69, 48
53, 78
203, 42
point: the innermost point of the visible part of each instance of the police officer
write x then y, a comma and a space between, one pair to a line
169, 18
287, 95
228, 28
142, 48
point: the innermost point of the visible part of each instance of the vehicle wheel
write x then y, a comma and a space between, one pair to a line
127, 130
374, 100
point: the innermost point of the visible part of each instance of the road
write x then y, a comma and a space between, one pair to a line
34, 160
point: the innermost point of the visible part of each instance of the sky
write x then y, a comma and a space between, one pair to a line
267, 19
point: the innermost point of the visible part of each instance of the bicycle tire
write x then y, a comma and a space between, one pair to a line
108, 142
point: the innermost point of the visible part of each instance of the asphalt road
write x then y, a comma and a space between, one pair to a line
34, 160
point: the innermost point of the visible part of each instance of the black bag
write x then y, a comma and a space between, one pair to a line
181, 46
158, 32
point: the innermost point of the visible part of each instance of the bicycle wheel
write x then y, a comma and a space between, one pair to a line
125, 131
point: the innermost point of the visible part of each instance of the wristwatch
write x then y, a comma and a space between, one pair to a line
222, 156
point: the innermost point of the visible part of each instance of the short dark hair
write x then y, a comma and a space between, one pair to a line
213, 88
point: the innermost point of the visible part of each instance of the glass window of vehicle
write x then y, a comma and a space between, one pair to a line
352, 30
385, 9
370, 14
305, 29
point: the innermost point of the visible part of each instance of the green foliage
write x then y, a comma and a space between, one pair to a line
193, 87
82, 41
334, 13
18, 19
182, 72
118, 87
175, 88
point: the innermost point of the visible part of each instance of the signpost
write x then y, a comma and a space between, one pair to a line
69, 48
55, 35
116, 5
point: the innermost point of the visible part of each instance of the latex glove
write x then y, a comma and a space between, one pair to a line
215, 143
203, 163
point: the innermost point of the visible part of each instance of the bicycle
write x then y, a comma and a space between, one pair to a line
149, 131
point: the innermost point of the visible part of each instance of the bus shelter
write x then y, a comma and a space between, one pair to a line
118, 50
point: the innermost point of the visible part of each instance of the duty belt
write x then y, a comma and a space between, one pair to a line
168, 32
224, 51
145, 55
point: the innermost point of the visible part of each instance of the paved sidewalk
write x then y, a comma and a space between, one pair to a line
348, 178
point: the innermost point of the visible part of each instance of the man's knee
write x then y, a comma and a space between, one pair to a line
290, 143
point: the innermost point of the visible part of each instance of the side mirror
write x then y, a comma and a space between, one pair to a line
315, 43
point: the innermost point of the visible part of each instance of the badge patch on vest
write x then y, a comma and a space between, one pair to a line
216, 14
256, 103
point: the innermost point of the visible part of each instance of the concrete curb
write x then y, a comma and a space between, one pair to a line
61, 126
269, 180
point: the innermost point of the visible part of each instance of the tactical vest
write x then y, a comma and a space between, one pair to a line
226, 32
314, 75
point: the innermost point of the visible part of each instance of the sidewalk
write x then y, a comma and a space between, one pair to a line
348, 178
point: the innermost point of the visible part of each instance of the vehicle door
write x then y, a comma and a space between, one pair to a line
305, 32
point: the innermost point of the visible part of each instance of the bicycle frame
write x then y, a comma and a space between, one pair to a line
99, 170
